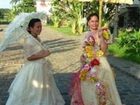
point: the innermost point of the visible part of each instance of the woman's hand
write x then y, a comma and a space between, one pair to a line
39, 55
47, 52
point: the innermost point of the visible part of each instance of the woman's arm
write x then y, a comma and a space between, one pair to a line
104, 45
39, 55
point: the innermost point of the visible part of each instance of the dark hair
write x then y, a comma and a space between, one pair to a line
91, 15
33, 21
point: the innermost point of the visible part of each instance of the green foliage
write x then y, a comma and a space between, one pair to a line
117, 50
75, 14
5, 15
127, 45
108, 13
58, 12
68, 12
91, 7
3, 12
63, 30
130, 40
24, 6
72, 12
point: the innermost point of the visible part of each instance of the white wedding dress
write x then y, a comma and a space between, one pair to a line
34, 84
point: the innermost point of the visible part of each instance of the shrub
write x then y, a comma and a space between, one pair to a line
131, 41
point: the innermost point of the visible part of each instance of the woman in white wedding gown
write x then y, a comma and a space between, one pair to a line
34, 84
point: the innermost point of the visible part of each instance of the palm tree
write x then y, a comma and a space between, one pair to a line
71, 11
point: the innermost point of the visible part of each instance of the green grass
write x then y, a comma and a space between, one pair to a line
64, 30
117, 51
133, 58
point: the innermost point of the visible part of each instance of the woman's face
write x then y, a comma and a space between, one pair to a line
36, 29
93, 23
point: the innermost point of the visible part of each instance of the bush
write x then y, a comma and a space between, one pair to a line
127, 45
131, 41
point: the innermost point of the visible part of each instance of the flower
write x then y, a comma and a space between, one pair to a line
93, 74
91, 40
88, 72
89, 51
94, 62
99, 53
86, 67
83, 74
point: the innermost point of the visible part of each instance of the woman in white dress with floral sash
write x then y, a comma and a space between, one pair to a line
34, 84
94, 83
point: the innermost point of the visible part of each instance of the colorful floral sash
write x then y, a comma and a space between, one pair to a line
91, 54
89, 70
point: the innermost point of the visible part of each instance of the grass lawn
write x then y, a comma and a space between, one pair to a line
115, 50
65, 30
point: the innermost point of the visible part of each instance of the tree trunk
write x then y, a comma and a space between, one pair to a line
115, 31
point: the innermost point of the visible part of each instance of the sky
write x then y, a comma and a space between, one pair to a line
5, 4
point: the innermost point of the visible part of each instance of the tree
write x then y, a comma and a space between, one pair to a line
59, 12
70, 11
5, 15
23, 6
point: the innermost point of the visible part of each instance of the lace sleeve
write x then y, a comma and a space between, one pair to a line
31, 47
84, 38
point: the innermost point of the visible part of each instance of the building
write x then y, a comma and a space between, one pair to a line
43, 6
129, 15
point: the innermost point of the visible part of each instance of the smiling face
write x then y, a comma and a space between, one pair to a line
93, 23
36, 29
